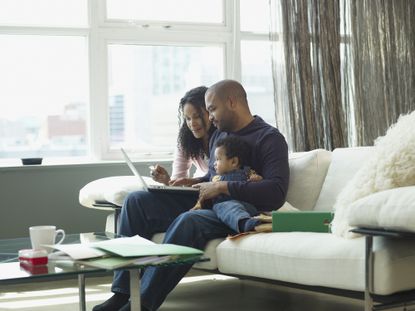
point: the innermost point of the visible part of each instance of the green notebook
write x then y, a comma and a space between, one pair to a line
301, 221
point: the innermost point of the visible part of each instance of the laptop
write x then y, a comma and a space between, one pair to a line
157, 188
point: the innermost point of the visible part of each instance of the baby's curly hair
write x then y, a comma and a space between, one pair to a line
236, 147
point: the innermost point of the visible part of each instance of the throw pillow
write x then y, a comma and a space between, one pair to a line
389, 209
392, 165
307, 173
287, 207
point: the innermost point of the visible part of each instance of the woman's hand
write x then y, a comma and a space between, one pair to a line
183, 182
159, 174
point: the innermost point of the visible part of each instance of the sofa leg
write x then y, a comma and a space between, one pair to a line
116, 215
369, 269
111, 224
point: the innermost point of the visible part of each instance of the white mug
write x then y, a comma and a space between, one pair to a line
45, 235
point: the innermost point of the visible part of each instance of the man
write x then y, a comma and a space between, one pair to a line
146, 213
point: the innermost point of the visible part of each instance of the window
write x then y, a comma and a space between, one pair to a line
44, 96
60, 13
188, 11
257, 78
44, 78
256, 71
255, 16
82, 78
146, 84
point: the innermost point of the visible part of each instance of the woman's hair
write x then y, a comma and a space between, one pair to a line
235, 147
191, 146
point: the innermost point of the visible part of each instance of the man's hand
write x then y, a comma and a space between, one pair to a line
210, 190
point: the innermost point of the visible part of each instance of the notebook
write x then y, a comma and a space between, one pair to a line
157, 188
308, 221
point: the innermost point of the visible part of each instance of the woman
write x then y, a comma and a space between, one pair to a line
192, 142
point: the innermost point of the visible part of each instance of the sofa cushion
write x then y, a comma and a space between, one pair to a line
210, 249
319, 259
389, 209
345, 162
307, 173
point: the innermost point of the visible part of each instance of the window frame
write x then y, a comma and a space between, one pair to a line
101, 31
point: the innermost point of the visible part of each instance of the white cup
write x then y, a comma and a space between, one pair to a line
45, 235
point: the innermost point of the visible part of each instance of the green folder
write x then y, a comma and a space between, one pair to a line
108, 263
115, 262
132, 250
301, 221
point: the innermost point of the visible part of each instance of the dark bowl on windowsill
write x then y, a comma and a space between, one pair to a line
31, 161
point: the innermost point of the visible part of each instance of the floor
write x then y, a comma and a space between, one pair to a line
196, 292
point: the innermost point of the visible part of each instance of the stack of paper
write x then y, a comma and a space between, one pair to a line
79, 251
122, 252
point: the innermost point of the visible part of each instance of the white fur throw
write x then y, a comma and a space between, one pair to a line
392, 165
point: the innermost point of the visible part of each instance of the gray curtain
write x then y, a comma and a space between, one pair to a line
342, 69
381, 64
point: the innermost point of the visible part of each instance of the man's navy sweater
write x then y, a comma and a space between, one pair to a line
269, 158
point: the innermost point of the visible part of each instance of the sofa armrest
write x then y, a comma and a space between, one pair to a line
109, 190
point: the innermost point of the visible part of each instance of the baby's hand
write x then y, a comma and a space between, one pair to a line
197, 206
253, 176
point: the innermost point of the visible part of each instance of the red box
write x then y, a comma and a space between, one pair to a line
33, 257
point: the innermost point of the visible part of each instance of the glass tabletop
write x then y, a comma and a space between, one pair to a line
9, 248
13, 270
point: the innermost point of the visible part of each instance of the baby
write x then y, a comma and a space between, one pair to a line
232, 155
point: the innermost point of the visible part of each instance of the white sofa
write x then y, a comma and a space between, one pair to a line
315, 260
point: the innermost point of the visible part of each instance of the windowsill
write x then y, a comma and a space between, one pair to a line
56, 163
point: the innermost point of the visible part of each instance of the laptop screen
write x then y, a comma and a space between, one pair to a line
134, 170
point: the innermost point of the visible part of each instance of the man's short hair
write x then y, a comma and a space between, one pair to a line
228, 87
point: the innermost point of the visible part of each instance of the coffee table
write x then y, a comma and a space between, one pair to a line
11, 271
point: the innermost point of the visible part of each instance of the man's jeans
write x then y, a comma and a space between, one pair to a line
146, 213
